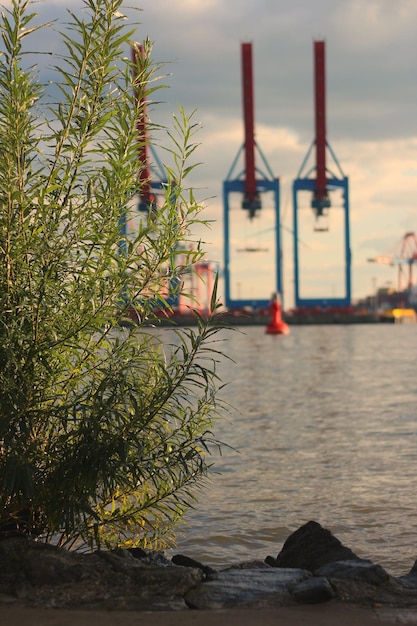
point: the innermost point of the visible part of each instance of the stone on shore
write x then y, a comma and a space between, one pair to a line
254, 588
313, 590
37, 575
310, 547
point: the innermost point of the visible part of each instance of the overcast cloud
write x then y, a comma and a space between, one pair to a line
371, 62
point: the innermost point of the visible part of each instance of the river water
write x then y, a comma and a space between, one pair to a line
324, 428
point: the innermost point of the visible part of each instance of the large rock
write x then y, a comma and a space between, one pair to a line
36, 574
310, 547
186, 561
361, 570
33, 574
246, 588
37, 564
410, 579
313, 591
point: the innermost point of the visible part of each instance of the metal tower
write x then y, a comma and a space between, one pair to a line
251, 183
319, 181
151, 177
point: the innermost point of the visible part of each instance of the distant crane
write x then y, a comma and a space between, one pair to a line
151, 180
151, 175
403, 254
319, 181
251, 183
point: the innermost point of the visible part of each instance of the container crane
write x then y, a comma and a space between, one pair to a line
251, 183
404, 255
320, 181
151, 176
151, 179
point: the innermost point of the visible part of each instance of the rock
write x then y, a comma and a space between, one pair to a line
409, 581
43, 575
138, 553
365, 571
186, 561
314, 590
310, 547
250, 565
33, 574
13, 551
153, 574
120, 560
151, 557
171, 581
246, 588
123, 560
24, 562
52, 569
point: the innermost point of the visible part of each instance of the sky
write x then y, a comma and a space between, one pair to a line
371, 68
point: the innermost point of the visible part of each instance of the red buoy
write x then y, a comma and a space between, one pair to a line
276, 326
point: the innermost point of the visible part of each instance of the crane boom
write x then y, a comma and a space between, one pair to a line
251, 200
321, 199
146, 197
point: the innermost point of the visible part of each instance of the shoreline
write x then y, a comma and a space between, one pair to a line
314, 579
334, 613
258, 319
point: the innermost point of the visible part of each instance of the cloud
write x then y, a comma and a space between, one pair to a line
371, 52
375, 23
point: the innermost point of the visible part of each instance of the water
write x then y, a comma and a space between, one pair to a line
324, 429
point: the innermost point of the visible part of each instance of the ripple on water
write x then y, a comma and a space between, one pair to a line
326, 429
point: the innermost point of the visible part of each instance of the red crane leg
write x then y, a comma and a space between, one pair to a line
141, 127
321, 199
251, 199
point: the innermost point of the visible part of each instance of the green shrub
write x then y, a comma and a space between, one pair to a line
105, 428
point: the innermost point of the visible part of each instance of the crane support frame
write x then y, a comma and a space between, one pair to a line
237, 185
308, 184
319, 181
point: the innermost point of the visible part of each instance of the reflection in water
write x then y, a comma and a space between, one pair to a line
325, 428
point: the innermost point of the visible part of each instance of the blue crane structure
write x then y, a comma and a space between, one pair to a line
319, 181
251, 183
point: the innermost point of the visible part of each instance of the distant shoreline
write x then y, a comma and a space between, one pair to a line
254, 319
